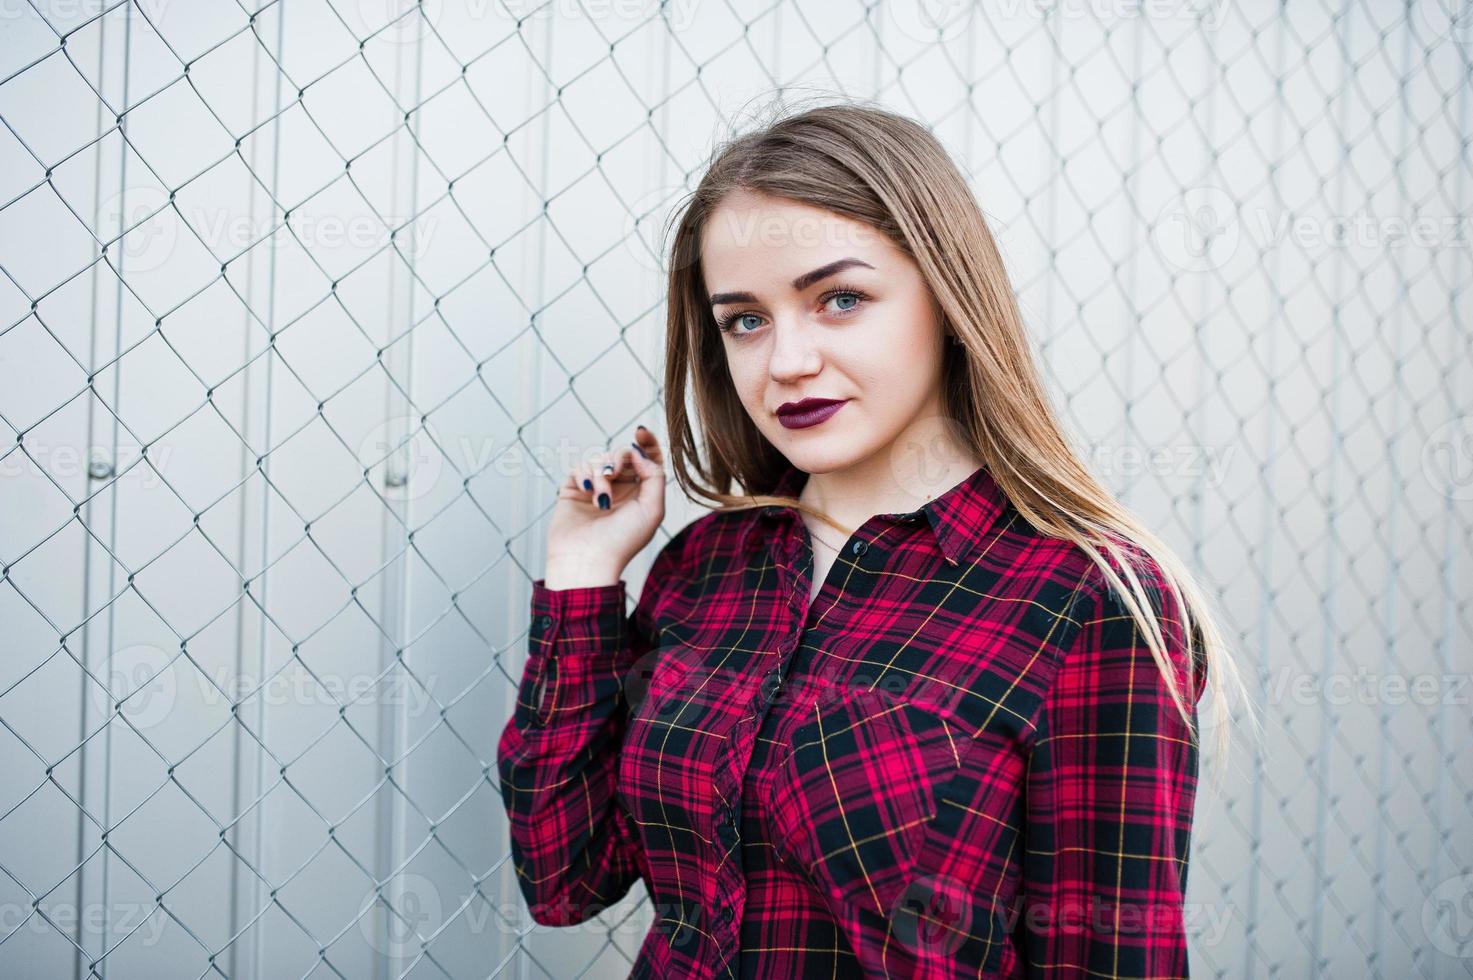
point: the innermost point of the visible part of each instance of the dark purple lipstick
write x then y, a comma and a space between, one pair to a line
808, 411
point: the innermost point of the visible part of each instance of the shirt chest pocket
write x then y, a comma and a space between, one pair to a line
857, 789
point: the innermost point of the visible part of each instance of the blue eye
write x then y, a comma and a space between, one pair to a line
727, 324
858, 296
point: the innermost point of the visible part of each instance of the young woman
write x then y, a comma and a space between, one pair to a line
920, 704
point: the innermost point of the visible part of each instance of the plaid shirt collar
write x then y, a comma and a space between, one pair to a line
959, 518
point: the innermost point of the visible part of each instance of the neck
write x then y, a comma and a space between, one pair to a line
888, 482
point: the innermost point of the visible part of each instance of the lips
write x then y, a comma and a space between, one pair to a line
809, 411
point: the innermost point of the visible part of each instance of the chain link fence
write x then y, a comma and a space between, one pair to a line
306, 309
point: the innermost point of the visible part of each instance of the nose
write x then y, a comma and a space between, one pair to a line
795, 351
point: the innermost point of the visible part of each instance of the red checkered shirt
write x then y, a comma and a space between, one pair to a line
960, 760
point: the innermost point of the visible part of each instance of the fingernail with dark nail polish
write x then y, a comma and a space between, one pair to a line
587, 484
603, 501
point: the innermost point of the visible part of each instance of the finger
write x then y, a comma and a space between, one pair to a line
616, 468
639, 463
603, 489
583, 476
649, 444
624, 462
651, 480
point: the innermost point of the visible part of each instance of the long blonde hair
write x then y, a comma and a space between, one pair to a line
889, 172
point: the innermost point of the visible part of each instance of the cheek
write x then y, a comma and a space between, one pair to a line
747, 377
891, 359
899, 373
911, 351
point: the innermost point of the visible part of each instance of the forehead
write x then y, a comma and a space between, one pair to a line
752, 235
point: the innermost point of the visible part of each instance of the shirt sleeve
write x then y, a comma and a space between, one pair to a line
574, 846
1110, 788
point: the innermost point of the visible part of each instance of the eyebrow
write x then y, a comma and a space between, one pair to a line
801, 283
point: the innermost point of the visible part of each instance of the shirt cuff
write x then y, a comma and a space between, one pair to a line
589, 618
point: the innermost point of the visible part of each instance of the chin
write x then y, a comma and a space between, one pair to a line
824, 456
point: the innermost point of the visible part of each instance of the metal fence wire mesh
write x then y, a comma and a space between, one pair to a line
306, 309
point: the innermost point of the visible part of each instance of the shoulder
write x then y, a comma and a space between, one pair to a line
1107, 633
1091, 593
1064, 581
1046, 578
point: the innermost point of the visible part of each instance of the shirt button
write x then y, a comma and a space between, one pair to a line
859, 548
544, 622
728, 824
771, 684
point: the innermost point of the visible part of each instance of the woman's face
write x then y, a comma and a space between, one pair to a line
816, 305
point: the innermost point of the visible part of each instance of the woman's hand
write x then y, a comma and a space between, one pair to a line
607, 511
